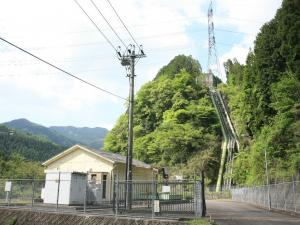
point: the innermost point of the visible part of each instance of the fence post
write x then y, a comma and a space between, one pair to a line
58, 187
198, 199
9, 192
285, 197
268, 181
113, 193
85, 194
294, 196
152, 198
33, 193
117, 192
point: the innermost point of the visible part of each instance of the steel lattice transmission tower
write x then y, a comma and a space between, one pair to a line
213, 66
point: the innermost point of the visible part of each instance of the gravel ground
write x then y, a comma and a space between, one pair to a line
226, 212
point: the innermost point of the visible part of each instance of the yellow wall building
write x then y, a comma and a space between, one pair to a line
102, 167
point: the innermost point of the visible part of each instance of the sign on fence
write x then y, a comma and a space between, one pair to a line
166, 189
8, 186
156, 206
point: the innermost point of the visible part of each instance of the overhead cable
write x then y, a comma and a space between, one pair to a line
105, 37
62, 70
123, 23
109, 24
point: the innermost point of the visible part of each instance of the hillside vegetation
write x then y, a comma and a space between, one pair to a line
24, 145
21, 154
175, 122
264, 99
31, 147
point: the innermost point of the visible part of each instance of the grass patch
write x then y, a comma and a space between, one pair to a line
11, 221
201, 222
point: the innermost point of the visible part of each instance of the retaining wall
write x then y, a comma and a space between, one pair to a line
26, 217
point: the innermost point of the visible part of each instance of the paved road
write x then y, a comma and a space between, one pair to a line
226, 212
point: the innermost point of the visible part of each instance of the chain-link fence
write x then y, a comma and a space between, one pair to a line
211, 193
282, 196
74, 193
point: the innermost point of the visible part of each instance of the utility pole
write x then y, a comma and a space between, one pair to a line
128, 59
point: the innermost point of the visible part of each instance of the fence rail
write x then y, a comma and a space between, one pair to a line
171, 197
149, 198
282, 196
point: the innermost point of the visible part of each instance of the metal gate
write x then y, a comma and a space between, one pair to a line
173, 197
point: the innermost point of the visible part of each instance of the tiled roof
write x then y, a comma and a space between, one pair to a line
117, 157
113, 157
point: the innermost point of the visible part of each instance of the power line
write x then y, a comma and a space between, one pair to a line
106, 38
232, 31
69, 74
101, 57
165, 21
123, 23
108, 24
142, 37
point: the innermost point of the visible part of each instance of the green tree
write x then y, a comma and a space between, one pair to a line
264, 100
174, 117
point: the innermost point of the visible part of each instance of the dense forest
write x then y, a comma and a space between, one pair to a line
176, 124
31, 147
21, 153
264, 99
24, 145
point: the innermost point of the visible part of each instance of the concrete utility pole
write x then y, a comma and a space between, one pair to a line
128, 59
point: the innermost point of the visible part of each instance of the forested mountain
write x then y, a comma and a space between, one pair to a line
176, 124
62, 135
264, 99
36, 129
92, 137
31, 147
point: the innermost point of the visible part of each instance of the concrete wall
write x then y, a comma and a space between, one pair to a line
43, 218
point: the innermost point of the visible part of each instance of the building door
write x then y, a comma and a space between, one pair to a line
104, 182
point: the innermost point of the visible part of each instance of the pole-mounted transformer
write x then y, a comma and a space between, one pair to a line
128, 59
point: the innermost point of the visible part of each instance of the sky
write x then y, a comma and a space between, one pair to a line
59, 32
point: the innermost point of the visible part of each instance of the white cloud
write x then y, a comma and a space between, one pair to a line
247, 17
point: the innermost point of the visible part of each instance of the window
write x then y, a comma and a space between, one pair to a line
94, 177
104, 179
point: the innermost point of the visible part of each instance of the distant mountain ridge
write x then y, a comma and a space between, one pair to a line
65, 136
92, 137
